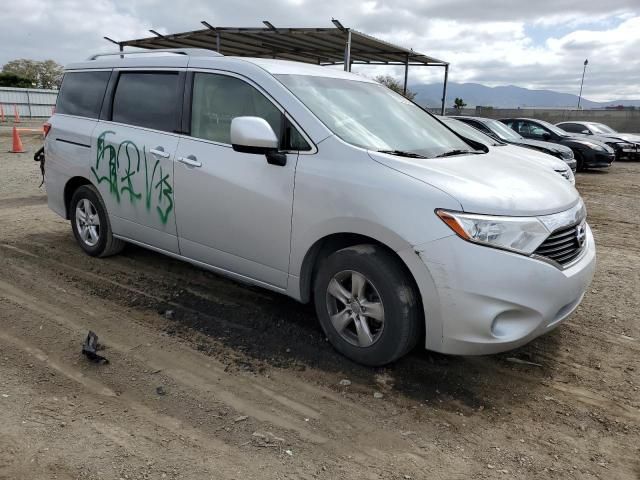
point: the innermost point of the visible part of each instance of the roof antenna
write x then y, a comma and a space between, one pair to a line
157, 34
270, 25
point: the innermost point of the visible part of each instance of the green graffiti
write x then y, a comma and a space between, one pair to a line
130, 147
102, 150
127, 155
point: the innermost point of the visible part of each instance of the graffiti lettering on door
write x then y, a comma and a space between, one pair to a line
121, 163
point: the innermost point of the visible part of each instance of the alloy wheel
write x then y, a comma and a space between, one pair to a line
88, 222
355, 308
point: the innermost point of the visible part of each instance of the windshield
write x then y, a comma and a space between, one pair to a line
371, 116
550, 126
467, 131
502, 131
601, 128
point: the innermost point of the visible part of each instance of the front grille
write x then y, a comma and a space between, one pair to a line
564, 245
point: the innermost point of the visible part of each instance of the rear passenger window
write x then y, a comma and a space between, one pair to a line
147, 99
81, 93
218, 99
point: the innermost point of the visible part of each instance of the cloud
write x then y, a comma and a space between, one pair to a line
531, 44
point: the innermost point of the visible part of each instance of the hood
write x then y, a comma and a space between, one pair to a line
597, 138
552, 147
500, 182
626, 137
535, 157
585, 140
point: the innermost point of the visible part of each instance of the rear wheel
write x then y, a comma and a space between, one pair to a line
367, 305
90, 223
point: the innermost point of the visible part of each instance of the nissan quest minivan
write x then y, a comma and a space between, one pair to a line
324, 186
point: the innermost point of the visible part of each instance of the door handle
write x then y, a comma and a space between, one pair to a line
159, 152
191, 160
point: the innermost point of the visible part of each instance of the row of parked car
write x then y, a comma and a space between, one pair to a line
580, 144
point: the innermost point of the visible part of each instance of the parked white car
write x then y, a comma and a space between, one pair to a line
324, 186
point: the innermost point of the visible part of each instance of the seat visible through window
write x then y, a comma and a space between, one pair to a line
218, 99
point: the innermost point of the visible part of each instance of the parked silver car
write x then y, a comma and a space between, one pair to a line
626, 145
324, 186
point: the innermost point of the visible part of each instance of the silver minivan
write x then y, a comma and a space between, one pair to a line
324, 186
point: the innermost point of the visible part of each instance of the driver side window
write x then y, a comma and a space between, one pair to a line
218, 99
535, 130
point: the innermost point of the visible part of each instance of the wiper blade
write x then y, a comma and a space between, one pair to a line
402, 153
451, 153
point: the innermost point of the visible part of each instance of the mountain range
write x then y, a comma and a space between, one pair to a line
509, 96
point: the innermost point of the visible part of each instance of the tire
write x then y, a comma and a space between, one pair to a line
579, 162
356, 330
93, 233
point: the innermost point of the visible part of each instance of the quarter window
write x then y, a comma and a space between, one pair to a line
147, 99
81, 93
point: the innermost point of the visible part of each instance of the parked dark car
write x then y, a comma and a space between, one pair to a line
501, 132
626, 145
589, 153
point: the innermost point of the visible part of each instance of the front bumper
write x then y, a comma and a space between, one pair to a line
628, 154
571, 163
488, 300
597, 159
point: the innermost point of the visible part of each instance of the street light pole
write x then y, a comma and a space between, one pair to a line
586, 62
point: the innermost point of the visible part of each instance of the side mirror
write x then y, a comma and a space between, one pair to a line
546, 136
255, 135
586, 132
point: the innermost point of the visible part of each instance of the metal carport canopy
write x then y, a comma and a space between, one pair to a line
321, 46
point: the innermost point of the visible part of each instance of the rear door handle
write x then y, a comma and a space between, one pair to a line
159, 152
191, 160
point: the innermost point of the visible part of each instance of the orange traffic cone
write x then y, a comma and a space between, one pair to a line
17, 143
16, 115
1, 113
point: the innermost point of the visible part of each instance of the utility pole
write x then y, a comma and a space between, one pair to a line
586, 62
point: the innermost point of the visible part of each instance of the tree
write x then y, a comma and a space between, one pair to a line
13, 80
390, 82
459, 104
41, 74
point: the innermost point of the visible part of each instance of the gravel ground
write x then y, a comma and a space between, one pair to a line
209, 379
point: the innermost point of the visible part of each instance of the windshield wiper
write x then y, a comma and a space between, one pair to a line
451, 153
402, 153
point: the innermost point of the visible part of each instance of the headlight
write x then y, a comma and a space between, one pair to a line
627, 147
518, 234
567, 154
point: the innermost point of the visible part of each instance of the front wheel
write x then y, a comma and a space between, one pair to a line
90, 223
579, 162
367, 305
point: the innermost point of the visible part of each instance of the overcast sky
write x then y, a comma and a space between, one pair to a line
533, 44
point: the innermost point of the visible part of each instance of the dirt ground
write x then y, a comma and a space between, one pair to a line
209, 379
